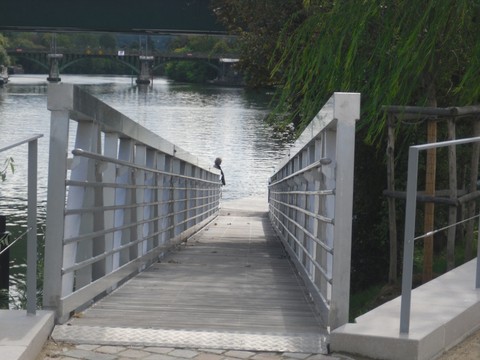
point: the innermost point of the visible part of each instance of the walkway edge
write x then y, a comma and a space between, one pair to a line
23, 336
304, 343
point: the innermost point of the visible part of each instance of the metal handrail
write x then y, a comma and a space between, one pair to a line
94, 156
31, 218
152, 194
21, 142
310, 167
306, 212
20, 237
409, 237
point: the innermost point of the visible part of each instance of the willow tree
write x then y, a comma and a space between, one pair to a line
409, 52
258, 24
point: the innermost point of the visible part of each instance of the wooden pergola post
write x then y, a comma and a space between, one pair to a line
392, 214
452, 210
428, 225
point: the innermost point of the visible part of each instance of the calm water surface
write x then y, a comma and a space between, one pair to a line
206, 121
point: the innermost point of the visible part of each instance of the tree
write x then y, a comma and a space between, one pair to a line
107, 41
258, 24
393, 52
4, 58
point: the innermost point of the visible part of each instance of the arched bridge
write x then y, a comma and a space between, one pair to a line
140, 63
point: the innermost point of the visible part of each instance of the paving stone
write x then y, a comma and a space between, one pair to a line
88, 347
183, 353
88, 355
160, 357
323, 357
159, 350
214, 351
239, 354
209, 356
134, 353
266, 356
299, 356
110, 349
154, 357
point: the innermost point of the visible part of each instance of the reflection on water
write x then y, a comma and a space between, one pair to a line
206, 121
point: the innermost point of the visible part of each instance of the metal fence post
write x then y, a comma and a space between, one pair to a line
32, 228
409, 242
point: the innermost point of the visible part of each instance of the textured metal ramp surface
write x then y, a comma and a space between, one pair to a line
303, 343
231, 287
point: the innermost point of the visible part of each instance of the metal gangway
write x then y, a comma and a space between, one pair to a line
140, 249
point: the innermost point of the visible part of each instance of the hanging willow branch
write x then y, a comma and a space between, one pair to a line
390, 51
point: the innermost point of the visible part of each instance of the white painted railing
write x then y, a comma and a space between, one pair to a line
310, 199
123, 199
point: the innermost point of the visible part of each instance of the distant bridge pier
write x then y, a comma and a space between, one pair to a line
145, 70
54, 74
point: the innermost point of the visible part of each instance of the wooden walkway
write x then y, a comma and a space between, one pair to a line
230, 286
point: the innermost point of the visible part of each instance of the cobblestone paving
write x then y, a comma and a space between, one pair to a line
54, 351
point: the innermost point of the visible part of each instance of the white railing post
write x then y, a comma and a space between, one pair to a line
57, 169
109, 176
347, 112
140, 159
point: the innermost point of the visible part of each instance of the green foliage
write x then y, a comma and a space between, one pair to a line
369, 225
189, 71
395, 52
194, 71
8, 164
4, 58
257, 25
361, 301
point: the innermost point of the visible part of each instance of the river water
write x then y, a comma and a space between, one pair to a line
205, 121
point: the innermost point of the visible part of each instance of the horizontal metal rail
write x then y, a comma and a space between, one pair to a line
303, 211
305, 231
94, 156
21, 142
430, 233
32, 181
409, 233
82, 264
314, 262
19, 237
128, 226
296, 192
306, 169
